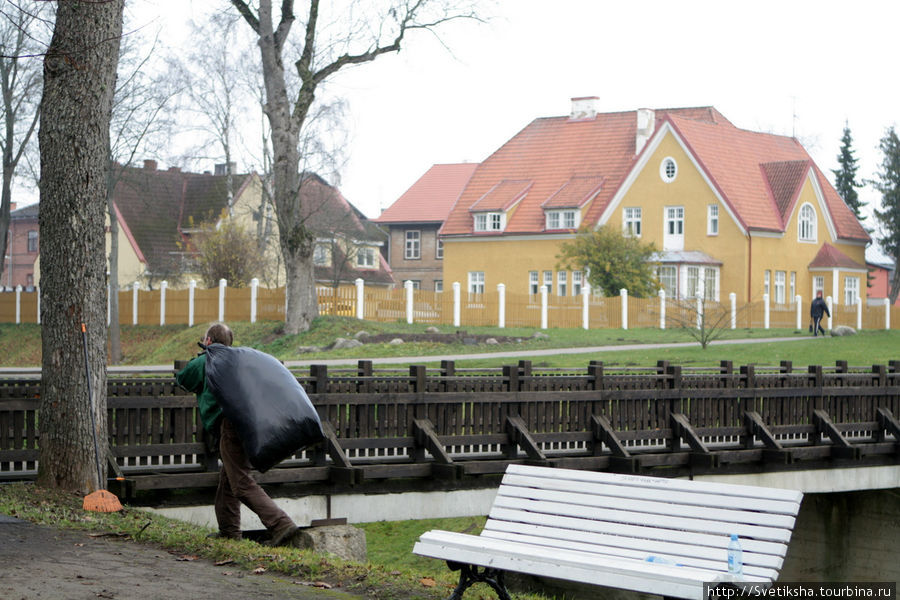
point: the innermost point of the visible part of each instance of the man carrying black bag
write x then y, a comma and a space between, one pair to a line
236, 484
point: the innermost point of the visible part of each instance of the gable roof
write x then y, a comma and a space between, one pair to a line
431, 197
749, 167
829, 257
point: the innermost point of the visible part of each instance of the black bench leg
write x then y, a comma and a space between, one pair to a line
469, 574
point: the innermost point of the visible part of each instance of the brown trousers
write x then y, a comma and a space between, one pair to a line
236, 485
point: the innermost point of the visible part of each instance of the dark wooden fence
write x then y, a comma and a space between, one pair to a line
453, 424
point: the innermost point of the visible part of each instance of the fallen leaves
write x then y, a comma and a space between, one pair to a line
428, 582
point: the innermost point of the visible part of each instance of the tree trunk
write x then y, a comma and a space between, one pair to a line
79, 81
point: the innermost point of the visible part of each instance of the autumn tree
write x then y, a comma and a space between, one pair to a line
358, 34
228, 251
888, 184
79, 82
612, 261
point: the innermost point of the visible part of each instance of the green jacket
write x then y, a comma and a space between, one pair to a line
193, 379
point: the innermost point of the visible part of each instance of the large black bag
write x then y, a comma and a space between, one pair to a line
264, 401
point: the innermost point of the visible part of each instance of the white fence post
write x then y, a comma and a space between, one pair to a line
501, 308
192, 286
887, 312
408, 286
858, 314
18, 304
134, 302
543, 307
360, 298
162, 302
254, 298
456, 308
37, 291
623, 293
662, 309
830, 303
585, 306
732, 297
798, 300
222, 285
765, 311
108, 305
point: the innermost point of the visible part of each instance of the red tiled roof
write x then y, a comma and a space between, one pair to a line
830, 257
431, 197
755, 173
574, 193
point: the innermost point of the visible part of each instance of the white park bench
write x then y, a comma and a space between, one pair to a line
647, 534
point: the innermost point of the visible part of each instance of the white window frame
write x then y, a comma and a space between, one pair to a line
321, 255
438, 286
631, 221
711, 283
32, 240
712, 219
481, 222
673, 235
767, 282
668, 169
562, 219
818, 285
577, 282
562, 282
365, 257
548, 281
534, 282
806, 223
439, 249
476, 282
851, 290
570, 219
691, 281
413, 245
553, 219
780, 280
667, 275
793, 287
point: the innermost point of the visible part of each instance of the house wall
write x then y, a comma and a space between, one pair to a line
425, 269
20, 262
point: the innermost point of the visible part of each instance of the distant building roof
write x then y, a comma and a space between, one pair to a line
431, 197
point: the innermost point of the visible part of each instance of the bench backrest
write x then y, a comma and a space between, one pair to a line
683, 522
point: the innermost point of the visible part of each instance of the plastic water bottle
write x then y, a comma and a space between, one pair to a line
735, 557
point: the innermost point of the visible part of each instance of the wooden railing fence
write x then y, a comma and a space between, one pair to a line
451, 423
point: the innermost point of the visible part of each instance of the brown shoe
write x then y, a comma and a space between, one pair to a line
280, 537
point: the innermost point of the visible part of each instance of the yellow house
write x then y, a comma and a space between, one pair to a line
731, 211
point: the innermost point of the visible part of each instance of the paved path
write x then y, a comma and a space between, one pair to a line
394, 360
41, 562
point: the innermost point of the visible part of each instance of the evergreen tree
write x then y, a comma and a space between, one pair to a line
845, 177
888, 183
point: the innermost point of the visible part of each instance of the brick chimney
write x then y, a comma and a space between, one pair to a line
149, 164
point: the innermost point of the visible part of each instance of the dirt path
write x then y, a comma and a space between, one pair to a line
38, 562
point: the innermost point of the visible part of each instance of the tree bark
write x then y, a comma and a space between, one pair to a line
79, 82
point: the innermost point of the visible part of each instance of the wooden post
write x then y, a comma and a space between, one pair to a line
662, 309
192, 287
543, 307
162, 302
222, 284
18, 304
456, 307
501, 308
319, 376
360, 298
585, 306
134, 302
254, 296
623, 293
408, 288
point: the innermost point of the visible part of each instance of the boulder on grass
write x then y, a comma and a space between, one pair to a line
842, 330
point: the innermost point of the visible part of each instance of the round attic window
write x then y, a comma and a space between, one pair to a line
668, 169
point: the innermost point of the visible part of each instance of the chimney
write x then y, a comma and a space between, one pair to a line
584, 108
174, 169
646, 123
221, 170
149, 164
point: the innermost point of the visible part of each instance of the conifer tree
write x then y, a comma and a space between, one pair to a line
888, 183
845, 176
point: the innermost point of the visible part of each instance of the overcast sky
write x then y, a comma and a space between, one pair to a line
792, 67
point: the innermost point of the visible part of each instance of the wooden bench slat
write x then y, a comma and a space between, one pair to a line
564, 537
635, 531
696, 498
652, 507
679, 555
660, 522
641, 481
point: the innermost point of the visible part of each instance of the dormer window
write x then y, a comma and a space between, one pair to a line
489, 221
562, 219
